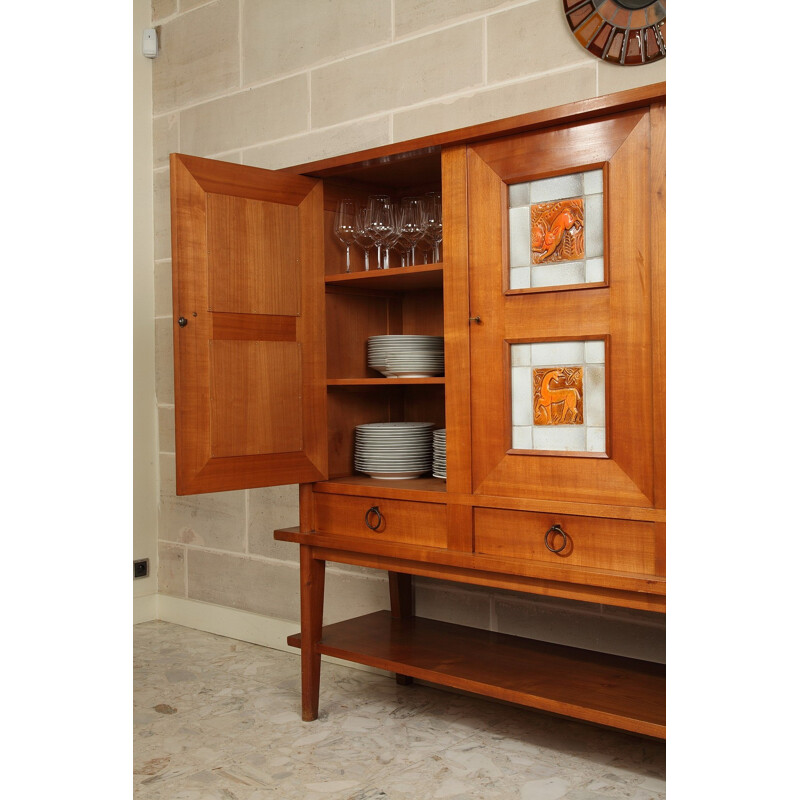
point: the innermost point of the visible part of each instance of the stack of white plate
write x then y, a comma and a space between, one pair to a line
392, 450
406, 355
440, 453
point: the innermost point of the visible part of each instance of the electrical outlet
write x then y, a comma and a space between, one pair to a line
141, 568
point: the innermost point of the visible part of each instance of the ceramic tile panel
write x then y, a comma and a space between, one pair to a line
558, 396
555, 229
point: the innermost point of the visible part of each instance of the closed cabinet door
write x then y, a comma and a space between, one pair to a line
566, 269
248, 321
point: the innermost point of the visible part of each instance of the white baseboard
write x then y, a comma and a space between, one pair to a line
145, 608
235, 624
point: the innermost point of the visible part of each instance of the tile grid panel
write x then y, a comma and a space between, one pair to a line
523, 274
587, 437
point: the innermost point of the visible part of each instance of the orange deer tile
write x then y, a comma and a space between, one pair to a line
558, 396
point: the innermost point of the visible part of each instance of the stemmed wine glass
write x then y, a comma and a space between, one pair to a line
412, 222
392, 240
433, 211
424, 249
402, 245
379, 221
362, 236
344, 226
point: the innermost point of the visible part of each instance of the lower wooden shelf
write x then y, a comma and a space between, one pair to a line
618, 692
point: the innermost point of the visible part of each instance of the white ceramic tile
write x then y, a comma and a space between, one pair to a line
596, 440
520, 354
593, 182
522, 437
594, 270
593, 217
546, 354
594, 395
519, 278
519, 236
521, 396
569, 438
519, 194
562, 273
563, 186
595, 351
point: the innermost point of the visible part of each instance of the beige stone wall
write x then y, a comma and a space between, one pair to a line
145, 478
272, 83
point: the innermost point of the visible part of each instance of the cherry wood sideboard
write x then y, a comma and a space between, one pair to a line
553, 394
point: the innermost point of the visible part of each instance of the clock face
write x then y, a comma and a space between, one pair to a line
625, 32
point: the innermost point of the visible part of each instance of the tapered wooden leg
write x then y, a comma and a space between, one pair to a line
401, 599
312, 594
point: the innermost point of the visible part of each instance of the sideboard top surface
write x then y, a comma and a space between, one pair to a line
396, 163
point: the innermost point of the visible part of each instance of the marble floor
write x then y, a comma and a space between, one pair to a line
219, 718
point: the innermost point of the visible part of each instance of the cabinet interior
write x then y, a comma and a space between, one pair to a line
361, 304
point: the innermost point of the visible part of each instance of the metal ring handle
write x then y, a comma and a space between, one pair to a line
373, 510
556, 530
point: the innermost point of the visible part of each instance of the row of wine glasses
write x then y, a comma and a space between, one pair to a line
405, 226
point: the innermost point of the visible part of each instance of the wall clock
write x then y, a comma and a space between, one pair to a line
625, 32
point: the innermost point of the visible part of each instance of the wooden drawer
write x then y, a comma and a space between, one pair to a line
594, 542
403, 521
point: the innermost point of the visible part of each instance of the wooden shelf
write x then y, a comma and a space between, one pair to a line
608, 690
386, 381
401, 279
363, 485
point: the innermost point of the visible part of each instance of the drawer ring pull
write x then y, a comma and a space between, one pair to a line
556, 530
373, 510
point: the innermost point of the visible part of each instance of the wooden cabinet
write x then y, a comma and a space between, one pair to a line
552, 397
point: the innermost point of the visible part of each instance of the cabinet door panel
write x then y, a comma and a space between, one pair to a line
613, 312
250, 357
249, 415
253, 256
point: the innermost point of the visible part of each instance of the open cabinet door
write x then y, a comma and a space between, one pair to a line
248, 317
